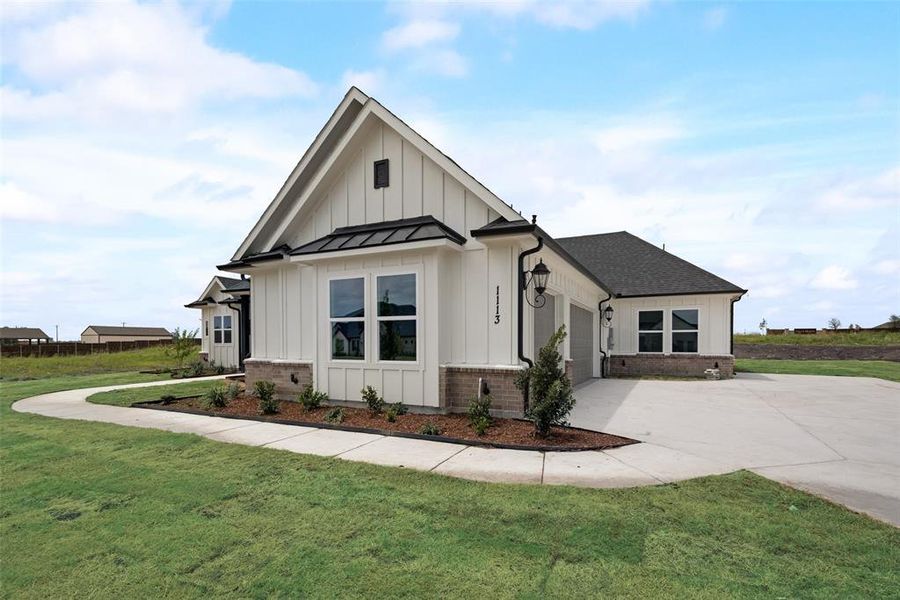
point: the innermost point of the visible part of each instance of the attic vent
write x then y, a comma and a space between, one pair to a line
382, 174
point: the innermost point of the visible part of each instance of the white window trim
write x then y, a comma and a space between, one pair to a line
378, 319
223, 329
672, 329
332, 320
637, 335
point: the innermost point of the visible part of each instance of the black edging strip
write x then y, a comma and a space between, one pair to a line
159, 405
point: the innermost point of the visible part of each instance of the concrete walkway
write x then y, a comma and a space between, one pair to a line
837, 437
621, 467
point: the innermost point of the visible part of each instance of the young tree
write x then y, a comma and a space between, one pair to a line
549, 390
834, 323
763, 325
183, 345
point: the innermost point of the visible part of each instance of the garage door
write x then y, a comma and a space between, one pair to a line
544, 324
581, 344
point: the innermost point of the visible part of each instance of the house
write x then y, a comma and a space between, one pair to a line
382, 262
224, 321
98, 334
22, 335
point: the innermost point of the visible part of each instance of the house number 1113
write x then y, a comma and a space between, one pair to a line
497, 308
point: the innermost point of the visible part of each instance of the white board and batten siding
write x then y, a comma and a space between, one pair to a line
220, 353
714, 331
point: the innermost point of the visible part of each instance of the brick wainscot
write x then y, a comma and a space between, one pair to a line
675, 365
459, 384
289, 376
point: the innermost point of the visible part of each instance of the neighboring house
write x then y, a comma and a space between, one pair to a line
98, 334
224, 326
888, 325
382, 262
22, 335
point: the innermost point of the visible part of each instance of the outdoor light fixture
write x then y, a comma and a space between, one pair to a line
538, 277
608, 313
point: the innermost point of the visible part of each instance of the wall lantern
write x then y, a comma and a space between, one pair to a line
538, 277
608, 314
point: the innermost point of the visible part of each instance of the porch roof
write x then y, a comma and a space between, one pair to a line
385, 233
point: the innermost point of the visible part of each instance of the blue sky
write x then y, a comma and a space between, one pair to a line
140, 141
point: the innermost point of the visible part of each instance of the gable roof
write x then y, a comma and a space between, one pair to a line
309, 173
117, 330
23, 333
632, 267
415, 229
233, 284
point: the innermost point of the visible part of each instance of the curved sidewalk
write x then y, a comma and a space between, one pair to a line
635, 465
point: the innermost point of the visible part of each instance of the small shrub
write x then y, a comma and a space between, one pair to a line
550, 397
335, 415
265, 391
219, 369
480, 413
168, 399
196, 369
216, 397
430, 428
372, 400
395, 410
400, 408
311, 399
233, 390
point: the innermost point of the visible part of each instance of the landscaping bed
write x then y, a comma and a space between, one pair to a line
454, 428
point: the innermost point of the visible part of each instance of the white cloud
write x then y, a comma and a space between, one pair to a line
369, 82
635, 136
418, 34
447, 63
133, 58
887, 267
833, 277
714, 18
879, 191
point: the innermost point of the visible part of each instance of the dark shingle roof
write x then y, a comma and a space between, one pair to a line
23, 333
117, 330
629, 266
416, 229
233, 284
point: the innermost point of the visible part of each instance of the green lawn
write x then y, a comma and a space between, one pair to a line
863, 338
130, 396
16, 368
852, 368
103, 511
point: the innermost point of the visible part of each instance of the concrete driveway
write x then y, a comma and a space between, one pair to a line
837, 437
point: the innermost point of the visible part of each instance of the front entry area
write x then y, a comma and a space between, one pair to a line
581, 343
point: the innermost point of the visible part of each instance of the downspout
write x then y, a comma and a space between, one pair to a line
240, 338
600, 341
521, 314
733, 300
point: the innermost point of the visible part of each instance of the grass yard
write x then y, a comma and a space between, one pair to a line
882, 369
18, 368
130, 396
863, 338
98, 510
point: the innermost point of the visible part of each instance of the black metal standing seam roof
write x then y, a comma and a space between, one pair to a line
371, 235
631, 266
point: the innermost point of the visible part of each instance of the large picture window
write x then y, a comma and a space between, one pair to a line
347, 311
650, 331
396, 317
685, 326
222, 329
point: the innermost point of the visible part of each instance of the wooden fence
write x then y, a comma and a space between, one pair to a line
78, 348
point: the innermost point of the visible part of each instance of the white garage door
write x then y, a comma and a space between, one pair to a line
581, 344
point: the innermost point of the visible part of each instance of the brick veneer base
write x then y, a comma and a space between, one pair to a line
458, 385
279, 371
677, 365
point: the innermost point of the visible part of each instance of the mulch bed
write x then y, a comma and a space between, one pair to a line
503, 433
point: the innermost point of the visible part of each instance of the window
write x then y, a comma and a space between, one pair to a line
222, 329
650, 331
206, 328
685, 324
382, 174
347, 311
396, 317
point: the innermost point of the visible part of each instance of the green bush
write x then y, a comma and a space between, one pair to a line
216, 396
395, 410
265, 391
219, 369
550, 398
233, 390
335, 415
196, 369
430, 428
168, 399
480, 413
311, 399
372, 400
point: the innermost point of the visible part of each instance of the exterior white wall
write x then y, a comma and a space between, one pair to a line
714, 334
347, 196
221, 354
